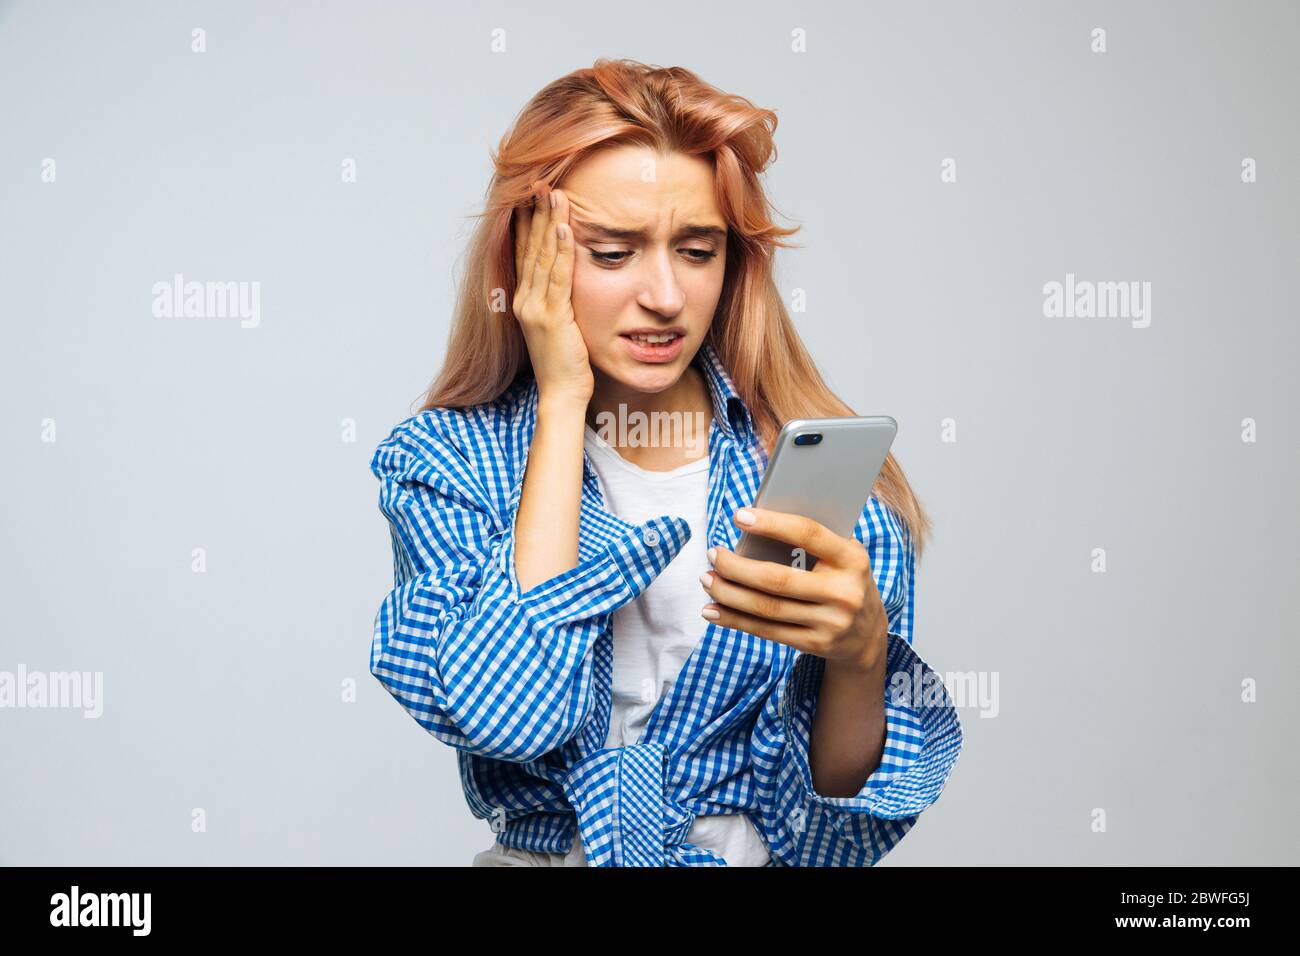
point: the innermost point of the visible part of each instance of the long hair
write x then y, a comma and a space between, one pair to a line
670, 109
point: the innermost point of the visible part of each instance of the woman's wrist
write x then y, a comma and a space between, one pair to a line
562, 405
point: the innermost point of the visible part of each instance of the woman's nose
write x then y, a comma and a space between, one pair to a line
662, 292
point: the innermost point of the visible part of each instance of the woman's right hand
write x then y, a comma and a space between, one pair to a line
543, 303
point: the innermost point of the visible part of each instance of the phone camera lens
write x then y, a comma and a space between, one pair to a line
808, 438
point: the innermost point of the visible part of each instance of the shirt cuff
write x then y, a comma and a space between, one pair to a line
605, 581
923, 736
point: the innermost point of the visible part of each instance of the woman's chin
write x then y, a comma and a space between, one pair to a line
642, 376
649, 378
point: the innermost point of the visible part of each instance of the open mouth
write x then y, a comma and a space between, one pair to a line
654, 346
652, 341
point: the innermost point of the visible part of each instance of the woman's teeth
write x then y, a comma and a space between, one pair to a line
653, 339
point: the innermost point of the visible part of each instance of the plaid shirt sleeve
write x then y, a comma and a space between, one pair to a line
922, 739
478, 664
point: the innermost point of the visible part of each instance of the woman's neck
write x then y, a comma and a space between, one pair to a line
635, 422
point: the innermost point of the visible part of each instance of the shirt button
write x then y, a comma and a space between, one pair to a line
651, 537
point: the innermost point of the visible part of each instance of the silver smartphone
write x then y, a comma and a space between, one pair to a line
823, 468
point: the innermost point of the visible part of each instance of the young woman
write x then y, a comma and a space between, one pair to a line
621, 687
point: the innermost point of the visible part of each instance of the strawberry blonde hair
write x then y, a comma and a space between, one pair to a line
670, 109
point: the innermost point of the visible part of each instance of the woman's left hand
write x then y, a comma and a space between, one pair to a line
833, 611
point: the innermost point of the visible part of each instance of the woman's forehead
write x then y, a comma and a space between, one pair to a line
638, 189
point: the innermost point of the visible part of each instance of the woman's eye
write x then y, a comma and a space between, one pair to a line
695, 255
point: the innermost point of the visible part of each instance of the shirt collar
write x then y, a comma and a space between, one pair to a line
730, 411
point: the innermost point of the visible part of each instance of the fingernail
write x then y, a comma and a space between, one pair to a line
712, 555
552, 198
706, 579
710, 614
745, 516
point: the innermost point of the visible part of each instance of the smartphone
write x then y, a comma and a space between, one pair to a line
824, 469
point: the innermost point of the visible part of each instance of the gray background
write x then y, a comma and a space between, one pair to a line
222, 690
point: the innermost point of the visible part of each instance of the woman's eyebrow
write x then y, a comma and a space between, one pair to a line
702, 230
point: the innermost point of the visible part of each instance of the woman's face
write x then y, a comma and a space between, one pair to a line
651, 246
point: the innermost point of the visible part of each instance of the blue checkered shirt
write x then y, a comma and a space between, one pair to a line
520, 682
